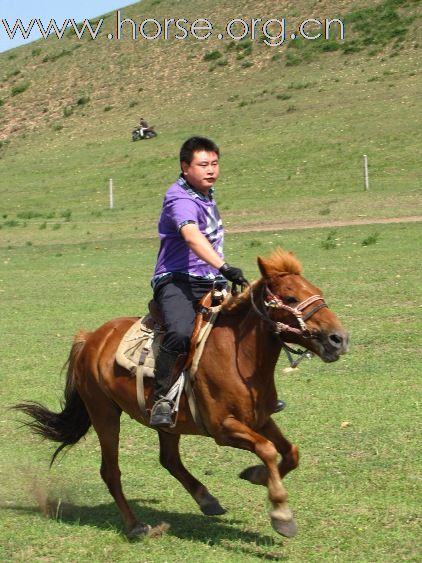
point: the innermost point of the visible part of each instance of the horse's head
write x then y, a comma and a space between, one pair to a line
297, 308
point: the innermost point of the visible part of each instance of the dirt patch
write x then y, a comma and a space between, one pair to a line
325, 224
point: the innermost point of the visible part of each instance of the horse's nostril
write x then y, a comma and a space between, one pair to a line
336, 340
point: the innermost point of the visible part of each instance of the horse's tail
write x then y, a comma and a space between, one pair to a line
73, 422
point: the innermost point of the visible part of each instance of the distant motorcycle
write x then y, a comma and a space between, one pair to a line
139, 134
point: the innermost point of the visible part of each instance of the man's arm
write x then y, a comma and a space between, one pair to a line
199, 244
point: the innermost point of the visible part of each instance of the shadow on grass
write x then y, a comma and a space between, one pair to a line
216, 531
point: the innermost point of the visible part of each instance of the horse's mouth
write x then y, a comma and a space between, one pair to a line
329, 357
330, 347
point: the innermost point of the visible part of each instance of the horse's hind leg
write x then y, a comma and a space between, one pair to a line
170, 459
105, 417
258, 474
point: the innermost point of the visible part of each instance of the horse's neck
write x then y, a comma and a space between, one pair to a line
258, 348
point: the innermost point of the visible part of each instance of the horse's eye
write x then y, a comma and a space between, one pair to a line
290, 300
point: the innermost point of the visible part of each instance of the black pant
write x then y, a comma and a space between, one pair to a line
177, 296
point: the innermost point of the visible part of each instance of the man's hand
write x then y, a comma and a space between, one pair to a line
235, 275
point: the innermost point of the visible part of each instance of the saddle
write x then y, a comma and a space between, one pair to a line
139, 347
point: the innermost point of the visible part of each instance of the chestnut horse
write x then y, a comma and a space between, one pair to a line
234, 388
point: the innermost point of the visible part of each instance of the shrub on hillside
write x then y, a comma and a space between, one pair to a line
19, 88
83, 100
212, 55
13, 73
54, 56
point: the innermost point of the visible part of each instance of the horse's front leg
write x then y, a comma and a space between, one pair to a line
238, 435
289, 452
170, 459
258, 474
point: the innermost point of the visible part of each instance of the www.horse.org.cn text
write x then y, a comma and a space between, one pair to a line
270, 31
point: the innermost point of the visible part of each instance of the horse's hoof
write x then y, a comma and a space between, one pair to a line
256, 474
139, 531
211, 507
286, 528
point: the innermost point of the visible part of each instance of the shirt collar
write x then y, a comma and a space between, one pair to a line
193, 192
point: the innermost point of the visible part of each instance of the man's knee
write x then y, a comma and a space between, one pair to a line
177, 341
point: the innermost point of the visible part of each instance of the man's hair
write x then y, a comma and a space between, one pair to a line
195, 144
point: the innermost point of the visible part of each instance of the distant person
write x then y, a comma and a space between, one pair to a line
145, 127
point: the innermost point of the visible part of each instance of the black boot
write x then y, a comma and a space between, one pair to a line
279, 406
161, 413
168, 366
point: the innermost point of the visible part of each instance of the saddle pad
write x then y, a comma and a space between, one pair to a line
139, 347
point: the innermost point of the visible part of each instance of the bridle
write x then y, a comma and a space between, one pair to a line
271, 301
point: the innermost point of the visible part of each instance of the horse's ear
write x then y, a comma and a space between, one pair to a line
264, 267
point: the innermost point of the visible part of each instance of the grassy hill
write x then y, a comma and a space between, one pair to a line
293, 121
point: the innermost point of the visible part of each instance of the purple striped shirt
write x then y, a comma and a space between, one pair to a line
183, 204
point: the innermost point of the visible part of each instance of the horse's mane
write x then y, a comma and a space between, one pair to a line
236, 303
279, 262
282, 262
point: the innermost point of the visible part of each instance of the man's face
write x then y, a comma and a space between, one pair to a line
203, 171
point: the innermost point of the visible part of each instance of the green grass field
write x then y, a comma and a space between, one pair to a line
355, 494
293, 123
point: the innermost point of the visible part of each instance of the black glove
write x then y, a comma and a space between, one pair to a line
235, 275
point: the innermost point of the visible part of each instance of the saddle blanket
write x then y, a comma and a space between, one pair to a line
139, 346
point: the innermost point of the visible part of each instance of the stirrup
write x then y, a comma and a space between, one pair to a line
172, 399
161, 412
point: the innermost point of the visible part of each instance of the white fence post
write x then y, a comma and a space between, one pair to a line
110, 190
365, 172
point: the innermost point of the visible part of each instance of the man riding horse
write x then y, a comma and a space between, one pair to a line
190, 260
